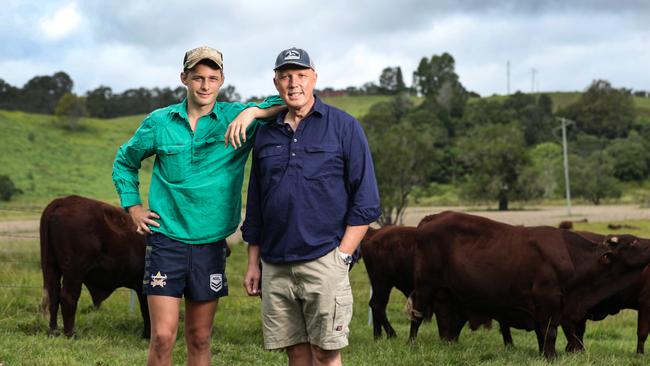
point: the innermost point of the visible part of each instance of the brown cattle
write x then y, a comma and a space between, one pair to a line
635, 296
389, 257
84, 241
388, 254
527, 277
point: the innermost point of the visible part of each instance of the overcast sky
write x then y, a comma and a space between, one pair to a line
132, 43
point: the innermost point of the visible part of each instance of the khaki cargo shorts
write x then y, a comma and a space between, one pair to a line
307, 302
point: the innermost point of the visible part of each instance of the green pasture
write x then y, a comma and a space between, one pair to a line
46, 161
111, 335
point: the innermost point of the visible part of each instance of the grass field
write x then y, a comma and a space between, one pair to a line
110, 335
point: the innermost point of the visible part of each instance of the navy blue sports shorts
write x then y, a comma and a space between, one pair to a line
173, 268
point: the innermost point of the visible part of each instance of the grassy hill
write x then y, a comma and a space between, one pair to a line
46, 161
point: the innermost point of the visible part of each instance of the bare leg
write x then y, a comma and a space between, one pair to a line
199, 316
300, 355
163, 311
325, 358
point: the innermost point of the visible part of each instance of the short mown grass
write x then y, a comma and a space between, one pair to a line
111, 335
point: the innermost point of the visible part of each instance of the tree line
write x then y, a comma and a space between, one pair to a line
52, 94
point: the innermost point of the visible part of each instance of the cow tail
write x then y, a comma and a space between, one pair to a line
48, 263
413, 314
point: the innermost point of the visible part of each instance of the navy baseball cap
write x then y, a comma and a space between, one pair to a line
294, 56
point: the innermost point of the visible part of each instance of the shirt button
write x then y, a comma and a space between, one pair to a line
293, 154
295, 140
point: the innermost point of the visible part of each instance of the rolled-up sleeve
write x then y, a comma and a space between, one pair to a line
128, 161
252, 226
361, 183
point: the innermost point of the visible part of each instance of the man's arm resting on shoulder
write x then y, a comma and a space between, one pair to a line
236, 132
352, 238
253, 273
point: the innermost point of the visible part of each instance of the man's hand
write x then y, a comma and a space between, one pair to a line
252, 280
236, 132
142, 218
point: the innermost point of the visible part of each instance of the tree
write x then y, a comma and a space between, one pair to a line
546, 160
437, 79
603, 110
9, 96
592, 177
41, 93
69, 111
8, 188
495, 155
391, 81
403, 153
629, 158
228, 94
99, 102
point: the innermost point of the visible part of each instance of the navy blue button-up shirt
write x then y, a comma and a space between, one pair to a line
307, 186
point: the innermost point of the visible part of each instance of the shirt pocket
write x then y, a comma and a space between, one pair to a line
322, 162
174, 162
273, 162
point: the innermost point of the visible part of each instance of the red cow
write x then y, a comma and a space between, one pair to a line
526, 277
84, 241
389, 256
635, 296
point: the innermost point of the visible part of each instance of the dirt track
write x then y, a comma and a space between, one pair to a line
547, 215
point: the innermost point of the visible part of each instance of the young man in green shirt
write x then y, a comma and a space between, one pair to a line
194, 201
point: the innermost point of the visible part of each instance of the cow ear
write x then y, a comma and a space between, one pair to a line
606, 258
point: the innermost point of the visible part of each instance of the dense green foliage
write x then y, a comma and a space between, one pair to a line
7, 188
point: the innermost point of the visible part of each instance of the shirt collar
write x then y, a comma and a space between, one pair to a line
180, 109
317, 108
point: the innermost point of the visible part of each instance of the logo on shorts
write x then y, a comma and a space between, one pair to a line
158, 280
216, 282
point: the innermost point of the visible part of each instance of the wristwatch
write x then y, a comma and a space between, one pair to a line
347, 259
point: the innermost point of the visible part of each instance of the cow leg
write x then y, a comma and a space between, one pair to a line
574, 332
643, 326
53, 289
416, 308
69, 298
413, 332
546, 331
378, 302
144, 310
449, 321
505, 334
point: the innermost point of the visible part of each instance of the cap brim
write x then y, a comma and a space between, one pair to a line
293, 63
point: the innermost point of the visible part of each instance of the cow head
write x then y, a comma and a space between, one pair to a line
628, 250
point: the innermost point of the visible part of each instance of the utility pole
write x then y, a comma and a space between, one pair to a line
566, 165
508, 77
533, 71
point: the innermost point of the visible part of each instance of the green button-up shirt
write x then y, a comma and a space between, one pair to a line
196, 182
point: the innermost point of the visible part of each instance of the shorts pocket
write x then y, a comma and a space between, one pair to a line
174, 162
342, 313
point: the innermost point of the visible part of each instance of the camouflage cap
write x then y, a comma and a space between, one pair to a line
193, 56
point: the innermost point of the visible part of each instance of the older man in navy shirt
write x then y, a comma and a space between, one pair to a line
311, 195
